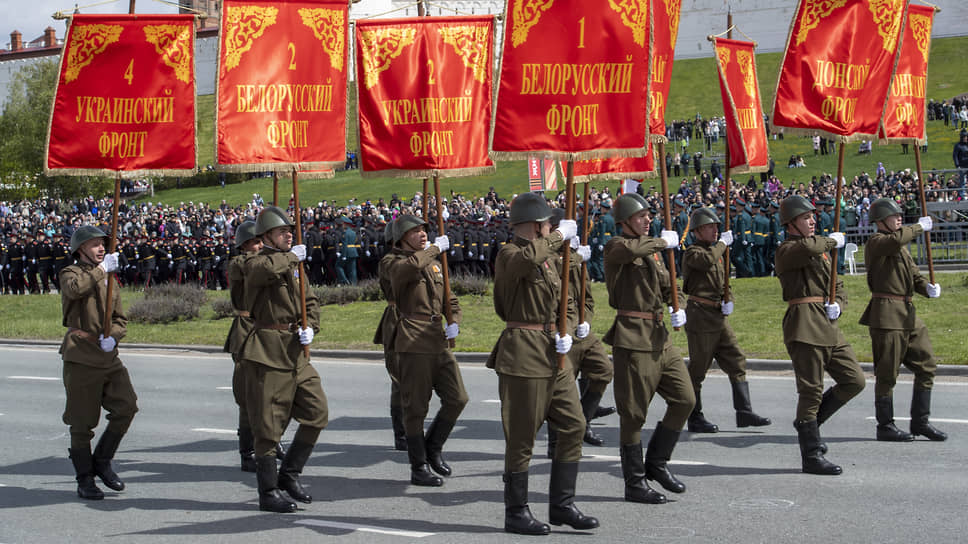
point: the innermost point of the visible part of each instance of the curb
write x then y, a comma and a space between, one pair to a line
469, 357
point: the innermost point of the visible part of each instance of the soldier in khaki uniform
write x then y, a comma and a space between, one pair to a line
424, 362
708, 332
384, 334
646, 362
810, 331
94, 376
898, 336
248, 244
280, 382
532, 387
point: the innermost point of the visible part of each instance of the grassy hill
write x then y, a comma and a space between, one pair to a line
694, 89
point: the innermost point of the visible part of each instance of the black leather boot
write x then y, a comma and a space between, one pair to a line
437, 434
399, 433
103, 453
887, 431
517, 516
246, 449
603, 411
657, 457
697, 422
633, 469
920, 410
84, 470
561, 498
589, 405
419, 471
745, 417
552, 441
292, 467
829, 404
267, 477
813, 460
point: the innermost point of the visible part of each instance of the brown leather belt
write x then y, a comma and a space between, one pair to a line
82, 334
806, 300
243, 313
544, 327
291, 327
640, 315
427, 318
703, 300
891, 297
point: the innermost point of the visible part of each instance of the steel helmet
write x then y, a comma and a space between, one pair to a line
528, 207
794, 206
557, 214
270, 218
390, 233
703, 216
882, 208
84, 234
244, 233
404, 224
628, 205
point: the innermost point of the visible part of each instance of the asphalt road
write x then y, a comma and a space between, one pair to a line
180, 464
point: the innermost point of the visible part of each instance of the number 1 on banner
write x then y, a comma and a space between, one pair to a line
129, 72
581, 33
292, 56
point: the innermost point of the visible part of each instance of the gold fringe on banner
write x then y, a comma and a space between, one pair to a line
568, 155
316, 174
279, 167
429, 173
614, 176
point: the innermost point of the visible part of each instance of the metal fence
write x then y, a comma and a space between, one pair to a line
949, 243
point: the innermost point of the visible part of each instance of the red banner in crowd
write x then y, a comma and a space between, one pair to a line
615, 168
281, 85
905, 120
574, 80
740, 88
542, 175
125, 97
837, 67
424, 88
665, 17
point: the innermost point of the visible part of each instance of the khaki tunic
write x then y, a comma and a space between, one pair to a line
898, 336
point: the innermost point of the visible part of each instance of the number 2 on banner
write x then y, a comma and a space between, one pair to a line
292, 56
581, 33
129, 72
430, 79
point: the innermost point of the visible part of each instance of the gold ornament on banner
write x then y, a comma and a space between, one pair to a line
245, 24
327, 25
525, 14
470, 43
380, 47
673, 8
921, 27
635, 15
173, 43
887, 16
813, 12
724, 55
88, 41
744, 59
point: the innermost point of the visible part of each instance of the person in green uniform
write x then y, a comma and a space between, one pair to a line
94, 376
646, 361
384, 334
424, 363
247, 243
898, 336
707, 331
813, 339
533, 387
280, 382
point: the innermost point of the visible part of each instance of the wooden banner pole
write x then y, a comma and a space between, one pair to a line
667, 218
836, 228
566, 257
448, 311
298, 239
584, 266
924, 210
112, 247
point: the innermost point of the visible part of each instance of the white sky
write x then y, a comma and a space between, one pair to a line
31, 17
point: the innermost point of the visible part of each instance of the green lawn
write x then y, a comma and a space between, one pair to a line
757, 321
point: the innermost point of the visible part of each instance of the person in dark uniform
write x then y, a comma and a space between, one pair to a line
30, 264
44, 261
959, 154
385, 332
147, 261
898, 336
455, 234
60, 255
707, 331
129, 254
280, 382
743, 234
775, 237
646, 361
349, 249
813, 339
15, 260
4, 266
220, 260
205, 258
163, 256
761, 236
533, 386
314, 248
179, 260
94, 376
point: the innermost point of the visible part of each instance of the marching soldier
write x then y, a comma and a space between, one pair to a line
707, 331
385, 332
280, 382
646, 361
94, 376
898, 336
810, 331
532, 386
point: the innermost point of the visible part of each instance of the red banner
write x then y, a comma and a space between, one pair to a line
665, 16
740, 88
615, 168
424, 88
905, 120
837, 67
125, 97
281, 85
574, 80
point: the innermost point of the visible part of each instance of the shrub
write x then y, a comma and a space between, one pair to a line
461, 285
223, 308
189, 292
162, 310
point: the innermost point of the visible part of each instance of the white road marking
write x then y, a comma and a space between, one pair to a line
39, 378
224, 388
215, 431
491, 401
363, 528
933, 419
617, 458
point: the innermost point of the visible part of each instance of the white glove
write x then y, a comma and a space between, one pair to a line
600, 247
839, 238
833, 311
726, 307
470, 254
306, 336
575, 242
726, 237
585, 252
671, 238
453, 252
445, 214
309, 258
107, 344
217, 258
480, 257
110, 262
169, 255
934, 290
368, 253
583, 329
678, 318
299, 251
442, 243
338, 254
568, 228
33, 261
451, 331
926, 223
562, 343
